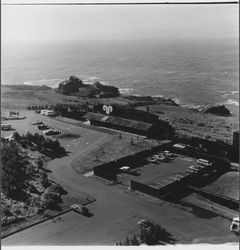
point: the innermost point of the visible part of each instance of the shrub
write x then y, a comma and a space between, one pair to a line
51, 200
57, 189
7, 211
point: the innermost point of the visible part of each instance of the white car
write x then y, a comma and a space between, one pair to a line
193, 168
125, 169
168, 154
6, 126
203, 162
79, 208
235, 225
9, 138
48, 112
153, 160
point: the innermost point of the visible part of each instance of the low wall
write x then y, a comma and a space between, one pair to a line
105, 174
36, 223
144, 188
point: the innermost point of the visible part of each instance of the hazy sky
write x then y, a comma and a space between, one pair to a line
60, 23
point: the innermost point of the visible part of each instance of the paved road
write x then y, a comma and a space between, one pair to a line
116, 210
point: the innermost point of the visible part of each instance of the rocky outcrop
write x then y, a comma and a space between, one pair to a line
219, 110
106, 90
70, 86
76, 87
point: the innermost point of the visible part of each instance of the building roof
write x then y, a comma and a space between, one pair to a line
118, 121
227, 185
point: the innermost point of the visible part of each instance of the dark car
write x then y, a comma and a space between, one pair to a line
43, 127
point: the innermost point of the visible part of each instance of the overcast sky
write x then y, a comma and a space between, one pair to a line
60, 23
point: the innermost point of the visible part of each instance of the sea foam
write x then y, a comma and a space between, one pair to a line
48, 82
231, 102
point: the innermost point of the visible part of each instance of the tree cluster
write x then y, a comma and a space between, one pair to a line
38, 142
14, 172
152, 235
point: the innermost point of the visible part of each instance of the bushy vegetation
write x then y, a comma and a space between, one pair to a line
26, 189
14, 172
39, 142
152, 235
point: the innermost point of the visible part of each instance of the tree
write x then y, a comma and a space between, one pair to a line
134, 241
13, 168
16, 136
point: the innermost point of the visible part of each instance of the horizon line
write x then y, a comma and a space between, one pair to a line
127, 3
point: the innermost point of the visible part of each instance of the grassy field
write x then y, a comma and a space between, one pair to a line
194, 123
111, 149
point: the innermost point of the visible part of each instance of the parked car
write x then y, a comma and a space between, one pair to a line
125, 169
193, 168
169, 154
51, 132
128, 170
153, 160
204, 162
80, 209
37, 122
235, 225
6, 126
9, 138
48, 112
43, 127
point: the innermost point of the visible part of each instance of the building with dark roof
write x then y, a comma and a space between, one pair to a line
127, 125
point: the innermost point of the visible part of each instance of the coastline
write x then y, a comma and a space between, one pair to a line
185, 119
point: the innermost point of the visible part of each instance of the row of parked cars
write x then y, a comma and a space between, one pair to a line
48, 130
202, 163
165, 156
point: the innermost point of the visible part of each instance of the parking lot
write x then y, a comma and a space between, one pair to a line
153, 173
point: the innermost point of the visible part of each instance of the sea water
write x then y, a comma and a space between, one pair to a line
195, 73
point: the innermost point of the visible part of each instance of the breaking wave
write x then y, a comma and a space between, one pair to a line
53, 83
48, 82
126, 90
197, 107
230, 102
227, 93
176, 100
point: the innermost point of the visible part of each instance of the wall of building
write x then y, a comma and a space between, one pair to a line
144, 188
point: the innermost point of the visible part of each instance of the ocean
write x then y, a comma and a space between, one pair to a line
195, 73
